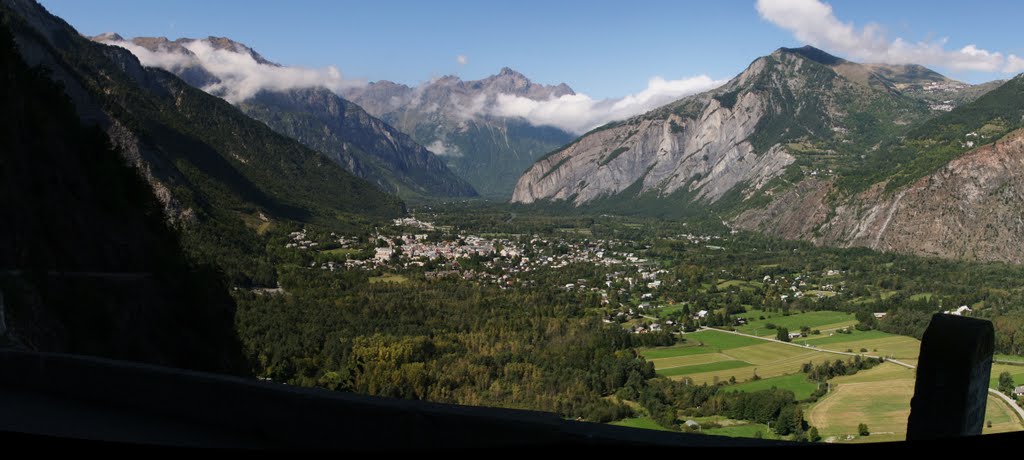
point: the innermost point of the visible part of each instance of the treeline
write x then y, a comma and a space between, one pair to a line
838, 368
663, 399
447, 341
465, 343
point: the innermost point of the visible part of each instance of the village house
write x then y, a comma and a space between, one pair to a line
383, 254
961, 311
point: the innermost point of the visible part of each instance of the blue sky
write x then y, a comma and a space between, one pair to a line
603, 49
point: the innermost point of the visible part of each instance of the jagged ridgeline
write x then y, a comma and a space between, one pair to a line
488, 150
88, 264
217, 172
794, 110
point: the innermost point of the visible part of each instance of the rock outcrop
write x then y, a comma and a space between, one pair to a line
699, 145
708, 155
969, 209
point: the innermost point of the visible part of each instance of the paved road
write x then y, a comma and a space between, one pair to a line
1006, 361
1012, 403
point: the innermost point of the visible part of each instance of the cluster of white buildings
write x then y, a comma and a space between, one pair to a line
942, 86
412, 248
301, 241
799, 286
413, 222
962, 310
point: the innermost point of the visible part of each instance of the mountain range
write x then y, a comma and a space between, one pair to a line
801, 144
378, 130
319, 119
457, 120
806, 145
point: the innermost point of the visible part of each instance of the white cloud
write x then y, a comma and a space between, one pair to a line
438, 147
163, 59
240, 75
1014, 64
469, 107
462, 59
580, 113
813, 22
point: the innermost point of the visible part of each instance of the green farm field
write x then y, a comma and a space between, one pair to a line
712, 367
730, 355
895, 346
822, 320
834, 337
640, 422
797, 383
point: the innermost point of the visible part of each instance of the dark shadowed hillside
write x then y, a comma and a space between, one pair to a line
87, 262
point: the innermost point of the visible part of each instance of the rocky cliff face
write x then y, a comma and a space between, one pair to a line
452, 118
701, 145
969, 209
708, 154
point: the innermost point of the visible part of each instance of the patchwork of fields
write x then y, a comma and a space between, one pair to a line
713, 356
879, 397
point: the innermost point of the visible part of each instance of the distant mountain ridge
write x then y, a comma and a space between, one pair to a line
455, 119
321, 120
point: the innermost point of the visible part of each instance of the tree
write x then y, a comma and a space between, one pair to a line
812, 435
1006, 383
790, 420
782, 334
863, 429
